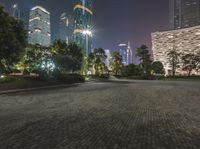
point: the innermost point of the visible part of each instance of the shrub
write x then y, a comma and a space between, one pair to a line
71, 78
43, 75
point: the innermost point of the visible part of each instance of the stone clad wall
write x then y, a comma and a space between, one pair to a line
183, 40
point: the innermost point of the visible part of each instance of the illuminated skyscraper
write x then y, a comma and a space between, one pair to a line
126, 53
83, 14
16, 11
66, 28
39, 26
184, 13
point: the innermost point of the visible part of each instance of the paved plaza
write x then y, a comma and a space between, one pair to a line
103, 115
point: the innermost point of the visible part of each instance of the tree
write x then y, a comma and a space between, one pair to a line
116, 63
174, 61
12, 40
32, 58
96, 61
132, 70
145, 59
68, 57
190, 62
158, 67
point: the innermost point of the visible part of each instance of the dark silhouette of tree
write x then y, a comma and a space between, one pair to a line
68, 57
174, 60
116, 63
145, 59
158, 67
13, 40
96, 61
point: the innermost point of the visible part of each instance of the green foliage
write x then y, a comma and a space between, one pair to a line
132, 70
145, 60
6, 80
96, 62
157, 67
116, 63
174, 59
67, 57
12, 40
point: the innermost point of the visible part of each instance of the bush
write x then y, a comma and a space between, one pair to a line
56, 73
26, 72
6, 80
71, 78
43, 75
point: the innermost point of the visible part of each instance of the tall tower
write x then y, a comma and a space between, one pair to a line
129, 54
83, 14
39, 26
16, 11
184, 13
66, 28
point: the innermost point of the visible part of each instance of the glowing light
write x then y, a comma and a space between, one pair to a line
41, 8
84, 8
36, 18
87, 32
2, 76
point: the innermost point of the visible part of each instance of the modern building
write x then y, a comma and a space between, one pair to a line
126, 53
66, 28
129, 54
39, 26
108, 59
184, 41
20, 15
184, 13
16, 12
83, 14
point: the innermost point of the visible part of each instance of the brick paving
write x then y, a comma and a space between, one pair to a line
118, 115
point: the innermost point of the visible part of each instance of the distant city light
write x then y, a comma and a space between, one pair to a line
15, 6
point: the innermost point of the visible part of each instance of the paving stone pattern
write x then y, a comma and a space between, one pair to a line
115, 115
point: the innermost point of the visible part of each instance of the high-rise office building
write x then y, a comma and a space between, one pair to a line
66, 28
16, 11
39, 26
20, 15
108, 59
123, 53
184, 13
83, 14
126, 53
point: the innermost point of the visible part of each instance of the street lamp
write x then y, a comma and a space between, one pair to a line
87, 33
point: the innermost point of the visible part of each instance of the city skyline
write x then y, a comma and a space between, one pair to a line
112, 27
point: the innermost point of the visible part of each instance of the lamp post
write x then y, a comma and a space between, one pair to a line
87, 33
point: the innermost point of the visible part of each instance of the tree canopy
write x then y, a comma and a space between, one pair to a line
13, 40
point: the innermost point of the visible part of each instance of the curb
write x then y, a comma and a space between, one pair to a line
38, 88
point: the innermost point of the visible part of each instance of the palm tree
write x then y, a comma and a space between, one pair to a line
173, 56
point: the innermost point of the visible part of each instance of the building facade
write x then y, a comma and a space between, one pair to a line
126, 53
83, 14
66, 28
184, 13
108, 59
39, 26
184, 41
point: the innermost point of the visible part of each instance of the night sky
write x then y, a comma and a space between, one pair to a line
115, 21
